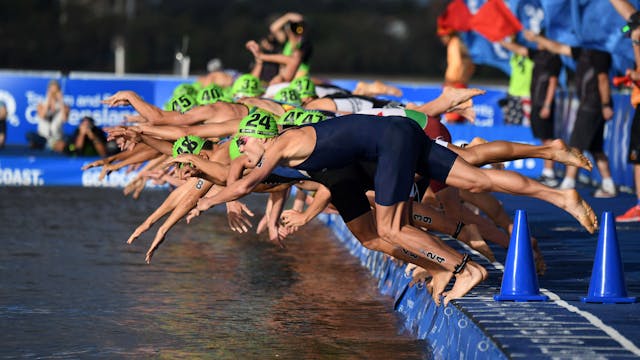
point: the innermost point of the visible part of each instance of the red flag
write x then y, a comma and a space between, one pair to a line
456, 17
495, 21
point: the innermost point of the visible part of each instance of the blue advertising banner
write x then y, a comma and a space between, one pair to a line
22, 92
58, 170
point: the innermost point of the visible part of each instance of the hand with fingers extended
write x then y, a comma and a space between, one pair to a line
121, 98
238, 222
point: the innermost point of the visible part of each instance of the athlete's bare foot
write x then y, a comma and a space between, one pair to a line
376, 88
569, 156
470, 235
455, 96
465, 110
471, 275
580, 209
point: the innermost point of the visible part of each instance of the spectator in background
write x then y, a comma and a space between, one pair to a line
516, 106
264, 70
88, 140
51, 116
460, 67
544, 82
290, 30
3, 123
594, 94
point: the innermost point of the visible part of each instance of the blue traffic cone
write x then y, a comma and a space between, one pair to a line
607, 277
520, 281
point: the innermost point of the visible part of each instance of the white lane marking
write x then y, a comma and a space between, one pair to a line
592, 319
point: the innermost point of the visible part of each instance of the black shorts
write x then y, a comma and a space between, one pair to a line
542, 128
348, 187
588, 131
634, 139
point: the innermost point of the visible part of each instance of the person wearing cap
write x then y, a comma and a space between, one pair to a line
399, 148
206, 170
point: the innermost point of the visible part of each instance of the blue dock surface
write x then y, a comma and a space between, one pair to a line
563, 327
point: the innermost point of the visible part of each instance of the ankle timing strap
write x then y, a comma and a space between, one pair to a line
458, 229
458, 269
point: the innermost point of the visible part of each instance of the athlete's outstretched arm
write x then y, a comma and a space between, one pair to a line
182, 208
214, 171
170, 203
500, 151
172, 132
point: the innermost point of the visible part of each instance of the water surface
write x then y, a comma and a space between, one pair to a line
71, 288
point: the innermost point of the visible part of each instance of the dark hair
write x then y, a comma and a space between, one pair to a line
297, 27
208, 145
90, 120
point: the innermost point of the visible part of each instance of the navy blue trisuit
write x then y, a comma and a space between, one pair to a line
399, 147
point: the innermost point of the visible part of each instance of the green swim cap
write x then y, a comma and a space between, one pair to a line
288, 95
234, 150
210, 94
189, 144
289, 118
247, 85
310, 117
182, 103
258, 124
185, 88
306, 88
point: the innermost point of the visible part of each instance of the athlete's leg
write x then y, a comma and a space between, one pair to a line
465, 176
431, 219
499, 151
449, 99
392, 226
489, 205
364, 229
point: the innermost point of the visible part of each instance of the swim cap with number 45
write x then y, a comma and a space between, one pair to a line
258, 124
181, 103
